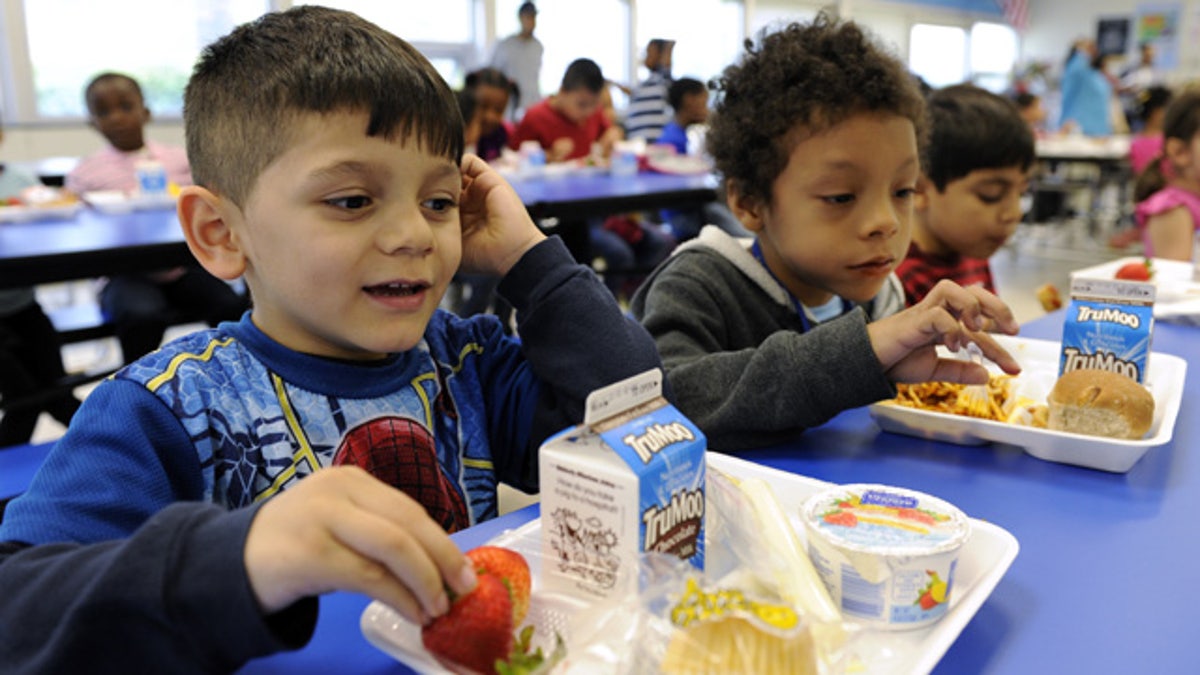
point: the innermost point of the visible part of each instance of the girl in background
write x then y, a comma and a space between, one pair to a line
493, 91
1145, 146
1168, 206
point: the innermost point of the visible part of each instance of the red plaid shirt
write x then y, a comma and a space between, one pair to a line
921, 271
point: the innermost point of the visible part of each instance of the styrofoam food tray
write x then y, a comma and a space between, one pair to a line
23, 214
982, 562
1177, 297
1039, 362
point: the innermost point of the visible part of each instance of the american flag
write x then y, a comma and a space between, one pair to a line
1016, 13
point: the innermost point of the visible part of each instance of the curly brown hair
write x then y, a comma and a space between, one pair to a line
798, 81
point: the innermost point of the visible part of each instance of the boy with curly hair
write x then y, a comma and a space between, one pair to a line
816, 136
968, 201
207, 494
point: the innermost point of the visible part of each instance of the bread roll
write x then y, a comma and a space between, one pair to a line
1100, 403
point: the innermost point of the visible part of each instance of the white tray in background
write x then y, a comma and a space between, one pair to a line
1039, 362
23, 214
982, 562
116, 201
1177, 298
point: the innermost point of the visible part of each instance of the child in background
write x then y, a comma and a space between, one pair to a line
1146, 147
689, 101
493, 91
197, 501
1030, 107
1168, 207
816, 137
30, 351
140, 304
1148, 143
968, 200
566, 125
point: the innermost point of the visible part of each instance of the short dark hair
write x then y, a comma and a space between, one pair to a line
583, 74
248, 87
814, 75
492, 77
684, 86
971, 128
527, 8
108, 76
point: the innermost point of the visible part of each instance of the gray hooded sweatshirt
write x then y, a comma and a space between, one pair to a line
736, 353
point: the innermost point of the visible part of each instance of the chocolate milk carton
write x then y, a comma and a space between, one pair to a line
630, 480
1109, 325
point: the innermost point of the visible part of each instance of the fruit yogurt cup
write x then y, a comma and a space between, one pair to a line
886, 554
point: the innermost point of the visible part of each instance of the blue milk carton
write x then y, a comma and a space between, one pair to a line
629, 480
1109, 326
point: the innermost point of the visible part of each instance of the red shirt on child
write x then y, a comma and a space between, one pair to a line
545, 125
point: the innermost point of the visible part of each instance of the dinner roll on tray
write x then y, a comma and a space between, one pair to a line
1100, 403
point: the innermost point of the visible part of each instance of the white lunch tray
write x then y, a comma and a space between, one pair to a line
1039, 362
982, 562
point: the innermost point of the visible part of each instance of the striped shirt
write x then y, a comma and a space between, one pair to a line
648, 109
921, 271
112, 169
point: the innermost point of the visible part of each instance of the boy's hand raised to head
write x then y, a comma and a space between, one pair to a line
950, 315
342, 529
496, 228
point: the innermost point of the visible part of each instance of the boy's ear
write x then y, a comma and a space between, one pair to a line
208, 228
748, 210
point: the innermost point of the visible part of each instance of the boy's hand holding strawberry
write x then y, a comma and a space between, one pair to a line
478, 631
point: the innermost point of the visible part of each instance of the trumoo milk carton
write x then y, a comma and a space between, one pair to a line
631, 479
1109, 325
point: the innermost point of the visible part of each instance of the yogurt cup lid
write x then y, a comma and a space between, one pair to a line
887, 520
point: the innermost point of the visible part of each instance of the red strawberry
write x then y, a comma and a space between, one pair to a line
926, 601
510, 567
1135, 271
477, 631
843, 518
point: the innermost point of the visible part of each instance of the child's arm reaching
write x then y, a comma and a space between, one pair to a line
342, 529
949, 315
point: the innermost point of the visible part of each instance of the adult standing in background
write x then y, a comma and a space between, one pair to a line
519, 56
648, 111
1087, 94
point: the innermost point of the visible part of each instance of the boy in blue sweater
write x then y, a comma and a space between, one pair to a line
207, 494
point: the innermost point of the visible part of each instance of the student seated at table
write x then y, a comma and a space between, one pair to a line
689, 101
140, 305
492, 91
196, 507
816, 137
1167, 193
30, 350
968, 200
1145, 147
566, 125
